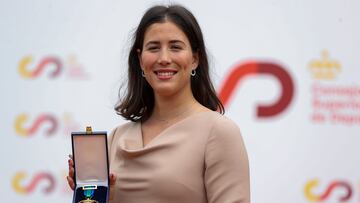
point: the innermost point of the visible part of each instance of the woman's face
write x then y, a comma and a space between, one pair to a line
167, 59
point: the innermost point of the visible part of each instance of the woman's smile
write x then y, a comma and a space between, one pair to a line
165, 74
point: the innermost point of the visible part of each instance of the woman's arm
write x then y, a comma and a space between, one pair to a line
227, 167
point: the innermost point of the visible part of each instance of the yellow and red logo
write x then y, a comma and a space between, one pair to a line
47, 62
26, 127
54, 65
325, 195
42, 119
45, 182
35, 181
260, 68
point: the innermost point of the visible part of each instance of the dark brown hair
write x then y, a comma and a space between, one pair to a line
139, 97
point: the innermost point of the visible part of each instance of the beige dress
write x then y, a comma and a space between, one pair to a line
201, 159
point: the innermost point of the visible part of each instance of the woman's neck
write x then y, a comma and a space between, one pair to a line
171, 107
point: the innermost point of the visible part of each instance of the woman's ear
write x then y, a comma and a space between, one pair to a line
139, 56
195, 62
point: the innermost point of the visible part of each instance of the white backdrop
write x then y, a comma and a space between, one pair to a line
63, 61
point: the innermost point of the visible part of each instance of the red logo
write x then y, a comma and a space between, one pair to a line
260, 68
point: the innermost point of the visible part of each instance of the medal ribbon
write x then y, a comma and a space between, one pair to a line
89, 191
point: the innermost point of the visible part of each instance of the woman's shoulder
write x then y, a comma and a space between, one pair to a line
120, 129
123, 127
220, 121
222, 126
218, 124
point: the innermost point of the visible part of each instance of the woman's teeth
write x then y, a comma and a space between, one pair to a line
165, 73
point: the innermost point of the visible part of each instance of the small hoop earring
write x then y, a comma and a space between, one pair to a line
142, 73
193, 72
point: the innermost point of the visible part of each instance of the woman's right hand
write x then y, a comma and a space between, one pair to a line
70, 177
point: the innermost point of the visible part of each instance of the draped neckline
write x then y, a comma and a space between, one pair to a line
132, 140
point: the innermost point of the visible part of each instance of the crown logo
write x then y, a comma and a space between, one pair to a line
324, 68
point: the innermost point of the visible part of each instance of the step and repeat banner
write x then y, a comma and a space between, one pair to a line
287, 72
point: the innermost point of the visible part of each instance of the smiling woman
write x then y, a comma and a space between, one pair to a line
167, 60
171, 28
177, 147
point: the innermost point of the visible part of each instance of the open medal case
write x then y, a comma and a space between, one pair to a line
90, 155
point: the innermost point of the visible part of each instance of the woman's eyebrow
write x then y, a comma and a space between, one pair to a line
152, 43
175, 41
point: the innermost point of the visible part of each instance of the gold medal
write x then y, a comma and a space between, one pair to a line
88, 201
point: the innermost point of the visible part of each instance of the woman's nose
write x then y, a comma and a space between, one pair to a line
164, 57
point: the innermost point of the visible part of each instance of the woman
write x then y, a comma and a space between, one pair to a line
177, 147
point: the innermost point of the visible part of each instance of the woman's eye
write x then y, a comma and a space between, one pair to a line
152, 48
175, 47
